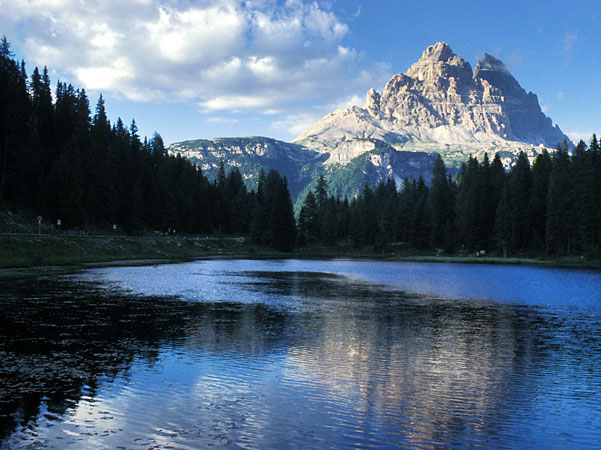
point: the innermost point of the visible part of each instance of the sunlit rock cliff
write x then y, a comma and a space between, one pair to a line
440, 104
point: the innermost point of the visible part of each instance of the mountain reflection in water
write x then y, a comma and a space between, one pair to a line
270, 358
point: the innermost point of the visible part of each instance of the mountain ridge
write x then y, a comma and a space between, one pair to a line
441, 100
440, 105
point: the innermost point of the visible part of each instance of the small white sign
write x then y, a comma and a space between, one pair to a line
39, 219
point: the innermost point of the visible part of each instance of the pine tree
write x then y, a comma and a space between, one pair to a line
421, 217
487, 205
520, 185
406, 216
43, 111
559, 233
282, 225
503, 221
441, 205
541, 173
8, 93
261, 210
468, 199
308, 220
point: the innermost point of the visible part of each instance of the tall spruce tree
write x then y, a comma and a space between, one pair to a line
281, 219
520, 185
308, 220
421, 216
441, 208
560, 220
541, 173
503, 221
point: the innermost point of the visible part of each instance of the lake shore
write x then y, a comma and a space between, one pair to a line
22, 255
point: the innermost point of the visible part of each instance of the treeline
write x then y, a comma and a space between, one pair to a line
550, 207
58, 161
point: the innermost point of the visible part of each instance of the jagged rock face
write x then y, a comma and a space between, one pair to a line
441, 100
440, 106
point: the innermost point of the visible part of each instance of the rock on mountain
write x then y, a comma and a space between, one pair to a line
376, 162
250, 155
440, 105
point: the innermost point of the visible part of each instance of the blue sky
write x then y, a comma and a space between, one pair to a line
201, 69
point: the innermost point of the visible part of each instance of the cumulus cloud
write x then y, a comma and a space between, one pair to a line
223, 55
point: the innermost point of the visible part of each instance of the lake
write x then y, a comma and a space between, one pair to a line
302, 354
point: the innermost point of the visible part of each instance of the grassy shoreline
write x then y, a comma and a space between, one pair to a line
25, 254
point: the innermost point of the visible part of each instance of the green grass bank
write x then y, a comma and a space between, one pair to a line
59, 250
22, 247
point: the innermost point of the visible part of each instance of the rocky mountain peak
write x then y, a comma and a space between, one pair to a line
442, 103
496, 74
439, 63
489, 62
441, 51
372, 100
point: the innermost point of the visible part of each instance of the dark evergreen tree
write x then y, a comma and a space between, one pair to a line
468, 199
261, 211
560, 221
541, 173
308, 220
520, 185
503, 221
421, 217
282, 224
441, 208
406, 215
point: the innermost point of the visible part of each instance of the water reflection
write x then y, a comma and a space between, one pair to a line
294, 358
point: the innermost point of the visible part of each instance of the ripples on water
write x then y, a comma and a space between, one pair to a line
274, 354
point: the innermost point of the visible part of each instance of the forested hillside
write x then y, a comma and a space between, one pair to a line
59, 161
552, 207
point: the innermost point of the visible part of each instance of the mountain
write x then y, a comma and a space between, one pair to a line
301, 166
250, 155
440, 106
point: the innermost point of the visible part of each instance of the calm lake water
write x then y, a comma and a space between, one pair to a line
302, 354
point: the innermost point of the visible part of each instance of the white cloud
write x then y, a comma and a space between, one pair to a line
262, 56
235, 103
118, 72
223, 120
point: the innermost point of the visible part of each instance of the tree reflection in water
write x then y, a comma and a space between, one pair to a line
295, 358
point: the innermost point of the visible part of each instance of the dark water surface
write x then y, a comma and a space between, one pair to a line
302, 354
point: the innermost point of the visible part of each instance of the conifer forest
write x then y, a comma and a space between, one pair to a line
63, 161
